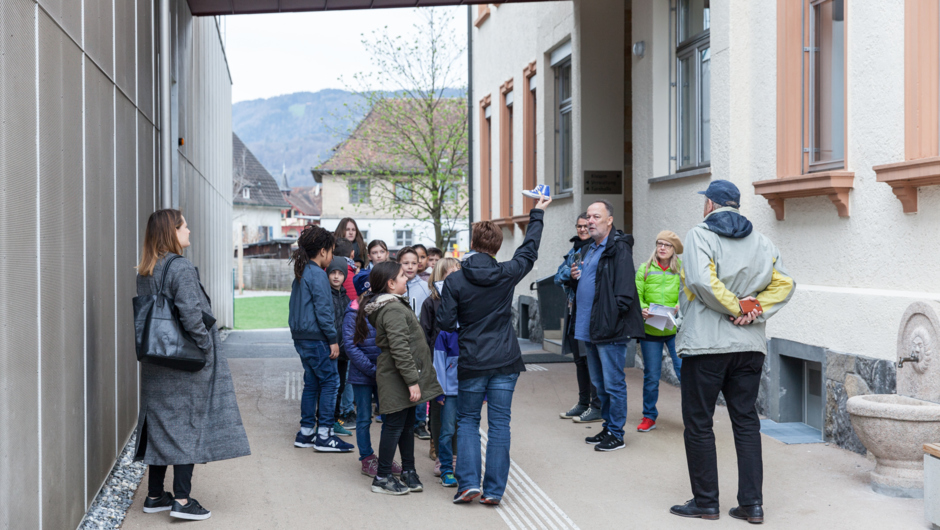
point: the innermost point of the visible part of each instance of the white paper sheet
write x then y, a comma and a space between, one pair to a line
662, 317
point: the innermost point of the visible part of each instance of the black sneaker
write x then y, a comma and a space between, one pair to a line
349, 420
598, 438
160, 504
193, 511
574, 412
388, 485
612, 443
411, 480
421, 432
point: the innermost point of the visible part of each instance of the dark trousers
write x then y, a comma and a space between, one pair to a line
341, 366
394, 434
182, 481
737, 376
434, 425
587, 393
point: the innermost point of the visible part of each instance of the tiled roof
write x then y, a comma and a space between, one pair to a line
363, 149
264, 191
306, 200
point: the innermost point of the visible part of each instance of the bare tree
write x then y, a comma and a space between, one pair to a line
412, 145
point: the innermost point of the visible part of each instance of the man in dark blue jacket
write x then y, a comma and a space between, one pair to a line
479, 297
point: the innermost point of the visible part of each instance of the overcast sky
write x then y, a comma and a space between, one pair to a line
282, 53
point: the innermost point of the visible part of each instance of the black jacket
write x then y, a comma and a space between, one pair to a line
616, 316
428, 320
479, 296
340, 303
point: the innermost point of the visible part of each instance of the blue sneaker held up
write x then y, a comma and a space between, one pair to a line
332, 444
542, 190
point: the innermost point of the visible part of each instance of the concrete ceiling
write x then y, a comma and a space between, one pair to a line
240, 7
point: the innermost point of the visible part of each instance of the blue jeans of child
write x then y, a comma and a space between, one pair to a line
606, 363
653, 370
321, 382
363, 397
421, 414
498, 391
346, 405
445, 451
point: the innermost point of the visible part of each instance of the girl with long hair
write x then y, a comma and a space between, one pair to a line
658, 282
404, 373
348, 229
185, 418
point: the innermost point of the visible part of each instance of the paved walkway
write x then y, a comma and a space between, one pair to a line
556, 482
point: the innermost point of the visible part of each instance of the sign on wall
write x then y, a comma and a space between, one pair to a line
603, 182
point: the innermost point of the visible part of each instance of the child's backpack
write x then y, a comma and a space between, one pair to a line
446, 353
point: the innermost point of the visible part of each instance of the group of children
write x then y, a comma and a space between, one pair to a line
378, 323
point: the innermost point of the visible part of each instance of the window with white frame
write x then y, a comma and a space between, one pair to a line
365, 235
246, 192
403, 238
450, 239
693, 85
358, 191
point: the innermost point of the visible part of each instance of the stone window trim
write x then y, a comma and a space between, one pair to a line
486, 160
793, 178
483, 13
506, 148
921, 165
529, 141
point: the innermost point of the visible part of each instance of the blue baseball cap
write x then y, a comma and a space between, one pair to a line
361, 282
723, 193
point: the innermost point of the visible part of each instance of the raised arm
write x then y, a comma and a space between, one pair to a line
525, 256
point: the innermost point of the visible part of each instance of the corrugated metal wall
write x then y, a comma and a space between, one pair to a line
79, 177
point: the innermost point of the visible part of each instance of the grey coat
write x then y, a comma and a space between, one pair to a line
188, 417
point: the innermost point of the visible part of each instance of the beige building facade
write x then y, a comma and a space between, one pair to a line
823, 113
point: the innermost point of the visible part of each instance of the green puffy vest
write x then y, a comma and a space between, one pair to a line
658, 287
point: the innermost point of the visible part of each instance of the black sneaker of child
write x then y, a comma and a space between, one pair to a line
389, 485
410, 478
421, 431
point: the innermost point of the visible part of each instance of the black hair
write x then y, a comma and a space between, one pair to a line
582, 216
381, 274
422, 247
344, 247
311, 241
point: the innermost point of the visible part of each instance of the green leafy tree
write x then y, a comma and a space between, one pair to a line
409, 155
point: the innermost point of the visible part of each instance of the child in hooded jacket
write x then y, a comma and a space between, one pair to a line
363, 356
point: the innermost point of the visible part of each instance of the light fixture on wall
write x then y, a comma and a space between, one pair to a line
639, 49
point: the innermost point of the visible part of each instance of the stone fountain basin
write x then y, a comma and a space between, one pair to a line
894, 428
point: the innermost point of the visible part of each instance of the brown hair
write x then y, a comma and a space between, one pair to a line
311, 241
159, 239
487, 237
381, 274
340, 233
441, 268
403, 251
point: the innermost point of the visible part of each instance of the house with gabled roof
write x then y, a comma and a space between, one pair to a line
257, 200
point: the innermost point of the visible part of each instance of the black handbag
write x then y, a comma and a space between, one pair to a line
161, 338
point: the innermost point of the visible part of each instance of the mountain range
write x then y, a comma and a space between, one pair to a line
295, 132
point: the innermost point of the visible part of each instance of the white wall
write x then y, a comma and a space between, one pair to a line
254, 216
514, 36
850, 293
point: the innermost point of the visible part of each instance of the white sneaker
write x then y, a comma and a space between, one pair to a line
542, 190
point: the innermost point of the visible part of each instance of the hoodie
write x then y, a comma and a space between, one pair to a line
479, 296
340, 302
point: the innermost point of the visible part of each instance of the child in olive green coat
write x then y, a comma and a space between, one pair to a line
404, 373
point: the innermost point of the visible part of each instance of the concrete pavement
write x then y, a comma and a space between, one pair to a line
557, 481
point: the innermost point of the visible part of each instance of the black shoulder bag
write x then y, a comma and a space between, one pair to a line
161, 338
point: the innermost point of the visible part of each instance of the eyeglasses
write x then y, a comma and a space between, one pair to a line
581, 227
661, 244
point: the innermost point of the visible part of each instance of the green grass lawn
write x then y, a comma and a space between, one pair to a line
261, 312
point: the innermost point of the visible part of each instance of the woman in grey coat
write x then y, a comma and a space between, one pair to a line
185, 418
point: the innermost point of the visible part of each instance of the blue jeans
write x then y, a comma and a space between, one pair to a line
321, 382
652, 371
498, 391
445, 451
363, 395
606, 363
346, 406
421, 414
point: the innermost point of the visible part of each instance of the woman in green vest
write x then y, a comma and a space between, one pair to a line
658, 282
